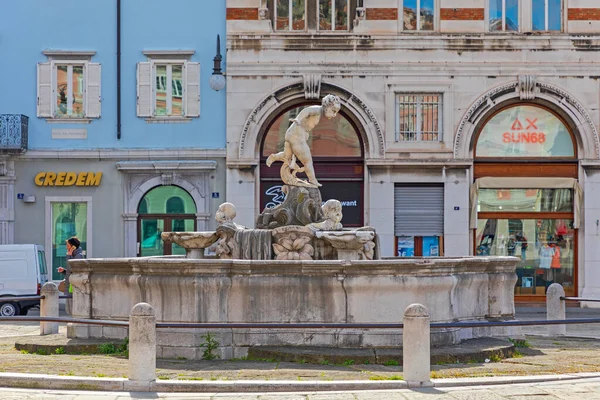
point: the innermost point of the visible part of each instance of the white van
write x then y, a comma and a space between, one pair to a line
22, 273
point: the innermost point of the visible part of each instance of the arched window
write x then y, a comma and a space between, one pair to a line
167, 200
525, 131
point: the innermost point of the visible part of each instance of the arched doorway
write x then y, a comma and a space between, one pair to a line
526, 198
164, 209
338, 154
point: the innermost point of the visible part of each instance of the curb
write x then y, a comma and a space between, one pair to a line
39, 381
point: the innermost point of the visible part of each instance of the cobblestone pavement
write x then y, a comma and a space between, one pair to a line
588, 389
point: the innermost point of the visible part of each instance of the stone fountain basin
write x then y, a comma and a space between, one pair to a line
191, 240
213, 290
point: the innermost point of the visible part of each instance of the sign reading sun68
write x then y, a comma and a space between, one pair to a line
68, 178
520, 134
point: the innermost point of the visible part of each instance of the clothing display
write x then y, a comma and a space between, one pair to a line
546, 254
555, 257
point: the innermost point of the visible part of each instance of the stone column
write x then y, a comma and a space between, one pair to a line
589, 256
555, 309
130, 235
456, 213
142, 344
416, 349
49, 308
241, 191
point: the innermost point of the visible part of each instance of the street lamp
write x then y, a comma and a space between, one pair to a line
217, 80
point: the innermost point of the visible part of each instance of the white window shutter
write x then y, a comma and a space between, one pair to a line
144, 89
44, 90
93, 101
192, 90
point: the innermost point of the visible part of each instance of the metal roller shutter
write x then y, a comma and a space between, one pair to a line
419, 210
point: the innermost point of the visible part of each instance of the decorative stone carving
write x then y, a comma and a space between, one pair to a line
302, 206
225, 215
194, 243
167, 179
526, 87
293, 243
350, 245
312, 86
332, 210
226, 246
263, 13
296, 143
361, 15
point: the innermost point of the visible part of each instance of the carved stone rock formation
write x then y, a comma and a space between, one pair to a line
302, 206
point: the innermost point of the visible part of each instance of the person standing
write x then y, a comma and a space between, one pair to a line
73, 252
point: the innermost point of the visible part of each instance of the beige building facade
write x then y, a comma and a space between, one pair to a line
475, 123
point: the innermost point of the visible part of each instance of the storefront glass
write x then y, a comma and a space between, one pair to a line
546, 248
525, 131
68, 219
425, 246
525, 200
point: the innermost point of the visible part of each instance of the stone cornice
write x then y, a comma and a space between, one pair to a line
123, 155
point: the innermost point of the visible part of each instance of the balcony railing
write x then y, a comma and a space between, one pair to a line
13, 133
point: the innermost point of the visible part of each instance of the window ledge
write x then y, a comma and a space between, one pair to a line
168, 120
68, 120
168, 53
69, 54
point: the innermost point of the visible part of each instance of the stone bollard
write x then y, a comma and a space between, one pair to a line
49, 308
142, 344
416, 346
555, 309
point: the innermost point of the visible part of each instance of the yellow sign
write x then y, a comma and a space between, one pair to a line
68, 179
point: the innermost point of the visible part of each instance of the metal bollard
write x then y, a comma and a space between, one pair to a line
49, 308
555, 309
416, 346
142, 343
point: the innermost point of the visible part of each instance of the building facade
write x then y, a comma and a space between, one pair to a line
467, 127
124, 138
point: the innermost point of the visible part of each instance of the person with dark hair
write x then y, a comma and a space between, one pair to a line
73, 252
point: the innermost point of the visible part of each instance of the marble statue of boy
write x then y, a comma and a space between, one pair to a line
332, 209
296, 139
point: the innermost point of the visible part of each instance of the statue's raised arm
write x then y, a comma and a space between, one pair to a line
296, 143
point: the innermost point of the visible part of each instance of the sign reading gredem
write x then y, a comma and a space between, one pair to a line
68, 179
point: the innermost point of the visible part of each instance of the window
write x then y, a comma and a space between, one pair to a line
67, 217
168, 89
546, 15
418, 15
68, 90
419, 117
290, 15
504, 15
525, 131
333, 15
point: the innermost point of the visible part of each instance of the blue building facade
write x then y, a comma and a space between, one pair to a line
123, 138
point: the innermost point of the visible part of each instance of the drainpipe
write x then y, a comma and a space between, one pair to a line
118, 69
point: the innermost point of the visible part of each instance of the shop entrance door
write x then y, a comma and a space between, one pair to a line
151, 226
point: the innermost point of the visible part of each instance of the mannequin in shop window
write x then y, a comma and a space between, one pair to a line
520, 238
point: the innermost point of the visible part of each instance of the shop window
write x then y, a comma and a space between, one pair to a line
525, 200
525, 131
168, 89
67, 219
418, 15
503, 15
419, 219
68, 90
546, 15
419, 117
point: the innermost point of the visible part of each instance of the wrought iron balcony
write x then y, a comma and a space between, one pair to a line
13, 133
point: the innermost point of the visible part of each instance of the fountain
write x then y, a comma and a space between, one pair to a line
299, 265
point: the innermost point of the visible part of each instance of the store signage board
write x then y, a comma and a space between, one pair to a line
69, 133
68, 179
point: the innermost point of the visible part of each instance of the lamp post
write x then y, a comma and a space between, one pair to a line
217, 80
